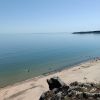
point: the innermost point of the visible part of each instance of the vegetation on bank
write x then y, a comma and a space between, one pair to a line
87, 32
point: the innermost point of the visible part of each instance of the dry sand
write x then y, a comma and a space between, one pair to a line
32, 89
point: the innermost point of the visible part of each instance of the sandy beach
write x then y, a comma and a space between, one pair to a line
32, 89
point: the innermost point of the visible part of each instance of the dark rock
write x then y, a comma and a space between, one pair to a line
55, 90
46, 95
74, 83
85, 95
55, 82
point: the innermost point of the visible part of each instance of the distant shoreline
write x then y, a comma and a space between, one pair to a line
87, 32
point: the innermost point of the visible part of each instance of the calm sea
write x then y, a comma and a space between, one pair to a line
23, 56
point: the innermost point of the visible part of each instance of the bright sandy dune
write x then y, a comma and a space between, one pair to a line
32, 89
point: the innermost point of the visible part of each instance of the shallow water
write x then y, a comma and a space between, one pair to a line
23, 56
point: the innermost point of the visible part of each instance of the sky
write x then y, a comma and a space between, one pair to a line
38, 16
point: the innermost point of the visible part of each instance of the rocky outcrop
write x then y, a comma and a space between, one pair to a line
74, 91
55, 82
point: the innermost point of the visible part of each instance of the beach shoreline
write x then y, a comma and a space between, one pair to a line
34, 87
49, 72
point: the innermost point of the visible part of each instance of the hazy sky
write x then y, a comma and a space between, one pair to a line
30, 16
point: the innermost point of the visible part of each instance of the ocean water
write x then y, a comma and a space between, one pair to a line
23, 56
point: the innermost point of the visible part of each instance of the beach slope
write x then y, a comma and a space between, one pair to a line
33, 88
